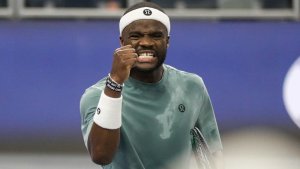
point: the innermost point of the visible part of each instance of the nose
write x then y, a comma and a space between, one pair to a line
146, 41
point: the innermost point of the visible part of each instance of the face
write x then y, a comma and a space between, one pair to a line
150, 40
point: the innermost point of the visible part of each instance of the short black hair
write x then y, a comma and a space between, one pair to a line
144, 4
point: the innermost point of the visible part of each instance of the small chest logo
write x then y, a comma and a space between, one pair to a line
147, 12
98, 110
181, 108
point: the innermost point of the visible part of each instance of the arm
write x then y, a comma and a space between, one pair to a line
208, 125
102, 142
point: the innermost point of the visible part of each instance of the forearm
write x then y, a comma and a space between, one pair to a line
104, 137
102, 144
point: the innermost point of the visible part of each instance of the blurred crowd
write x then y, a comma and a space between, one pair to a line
116, 4
3, 3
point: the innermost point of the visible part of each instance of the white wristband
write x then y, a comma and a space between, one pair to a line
108, 113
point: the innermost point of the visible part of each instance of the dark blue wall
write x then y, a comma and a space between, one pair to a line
45, 67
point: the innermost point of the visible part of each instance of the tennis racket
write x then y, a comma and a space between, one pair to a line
202, 154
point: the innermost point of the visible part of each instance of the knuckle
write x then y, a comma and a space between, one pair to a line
116, 53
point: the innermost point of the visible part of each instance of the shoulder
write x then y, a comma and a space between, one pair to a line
94, 89
190, 79
92, 94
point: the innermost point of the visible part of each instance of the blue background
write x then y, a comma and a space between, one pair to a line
45, 67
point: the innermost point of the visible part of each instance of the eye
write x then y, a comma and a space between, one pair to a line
157, 35
134, 36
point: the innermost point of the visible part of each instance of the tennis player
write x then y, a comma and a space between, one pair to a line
140, 115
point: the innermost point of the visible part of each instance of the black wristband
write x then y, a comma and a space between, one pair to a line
110, 83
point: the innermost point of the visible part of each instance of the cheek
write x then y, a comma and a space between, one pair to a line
161, 43
163, 46
133, 43
127, 41
165, 43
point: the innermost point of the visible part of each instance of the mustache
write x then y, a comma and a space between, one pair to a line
144, 48
149, 50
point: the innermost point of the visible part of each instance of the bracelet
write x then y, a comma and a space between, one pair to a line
113, 85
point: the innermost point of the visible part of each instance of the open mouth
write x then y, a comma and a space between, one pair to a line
146, 55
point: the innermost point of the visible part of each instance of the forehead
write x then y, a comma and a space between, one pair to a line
145, 25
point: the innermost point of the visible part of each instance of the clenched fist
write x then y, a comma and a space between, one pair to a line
124, 59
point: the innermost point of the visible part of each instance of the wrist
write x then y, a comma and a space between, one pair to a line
115, 78
108, 112
113, 85
111, 93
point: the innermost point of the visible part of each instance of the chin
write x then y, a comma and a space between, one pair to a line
146, 68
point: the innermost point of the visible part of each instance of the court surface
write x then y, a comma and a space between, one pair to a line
258, 148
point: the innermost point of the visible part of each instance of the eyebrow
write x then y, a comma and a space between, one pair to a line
151, 32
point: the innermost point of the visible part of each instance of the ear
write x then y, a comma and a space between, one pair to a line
121, 41
168, 40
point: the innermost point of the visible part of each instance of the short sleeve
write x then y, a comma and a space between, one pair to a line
88, 105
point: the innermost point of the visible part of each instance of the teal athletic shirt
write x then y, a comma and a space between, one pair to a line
156, 120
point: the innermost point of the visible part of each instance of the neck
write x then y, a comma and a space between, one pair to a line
148, 76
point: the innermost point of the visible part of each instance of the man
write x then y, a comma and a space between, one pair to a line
141, 114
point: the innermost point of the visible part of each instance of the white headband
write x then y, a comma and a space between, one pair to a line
144, 13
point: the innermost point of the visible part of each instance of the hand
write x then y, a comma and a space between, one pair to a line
124, 59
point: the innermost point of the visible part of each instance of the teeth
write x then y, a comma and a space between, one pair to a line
146, 55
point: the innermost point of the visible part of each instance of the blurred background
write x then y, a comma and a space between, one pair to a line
247, 52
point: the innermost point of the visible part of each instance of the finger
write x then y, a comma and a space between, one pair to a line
128, 50
128, 56
127, 46
124, 47
124, 51
123, 57
130, 62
